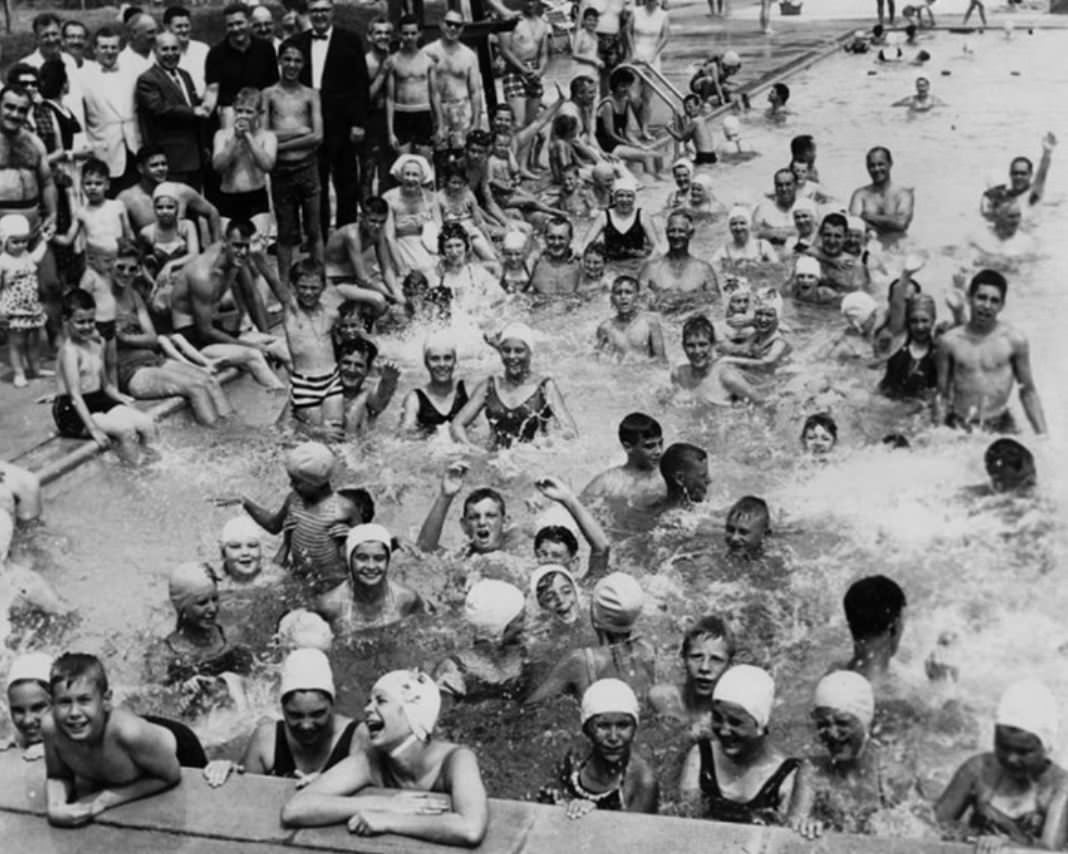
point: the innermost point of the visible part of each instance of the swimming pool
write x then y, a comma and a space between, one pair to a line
982, 568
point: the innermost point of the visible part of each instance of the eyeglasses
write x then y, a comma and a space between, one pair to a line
455, 25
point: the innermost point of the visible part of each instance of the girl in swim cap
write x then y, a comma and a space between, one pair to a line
611, 776
443, 799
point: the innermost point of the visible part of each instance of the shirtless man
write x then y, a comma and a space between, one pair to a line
922, 100
293, 112
557, 271
221, 269
883, 205
773, 218
678, 274
347, 249
582, 107
632, 331
526, 52
409, 119
455, 84
1023, 181
376, 155
978, 363
152, 164
98, 756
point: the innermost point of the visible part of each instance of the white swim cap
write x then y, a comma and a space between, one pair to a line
609, 697
35, 666
1029, 705
417, 695
369, 533
738, 212
514, 241
857, 307
491, 605
440, 339
731, 58
849, 692
749, 687
14, 225
240, 529
166, 190
518, 332
617, 603
304, 629
806, 265
307, 670
626, 182
731, 127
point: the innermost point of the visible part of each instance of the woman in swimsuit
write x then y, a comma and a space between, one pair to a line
910, 372
310, 739
625, 232
370, 599
425, 409
198, 652
171, 241
611, 777
614, 125
442, 797
1017, 794
518, 406
411, 207
473, 287
740, 776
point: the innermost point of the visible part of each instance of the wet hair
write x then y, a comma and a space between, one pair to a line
72, 666
578, 82
236, 9
621, 77
873, 606
375, 205
637, 427
696, 325
565, 126
877, 148
1010, 464
557, 221
45, 19
77, 300
147, 152
820, 419
480, 138
595, 249
50, 78
248, 95
988, 277
364, 346
481, 494
711, 626
619, 280
835, 218
557, 534
15, 90
106, 33
783, 91
94, 166
244, 227
678, 456
750, 505
801, 145
452, 231
365, 505
786, 170
307, 268
172, 12
407, 20
894, 441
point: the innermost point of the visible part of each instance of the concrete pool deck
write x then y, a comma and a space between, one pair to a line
243, 817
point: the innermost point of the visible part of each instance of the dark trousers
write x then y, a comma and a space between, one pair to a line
128, 178
338, 160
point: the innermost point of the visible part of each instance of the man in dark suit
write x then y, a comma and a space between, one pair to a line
335, 65
170, 112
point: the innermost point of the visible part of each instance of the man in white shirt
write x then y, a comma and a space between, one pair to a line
179, 21
110, 111
47, 32
75, 41
137, 56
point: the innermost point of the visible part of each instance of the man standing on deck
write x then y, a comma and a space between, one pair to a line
409, 120
978, 363
375, 155
455, 84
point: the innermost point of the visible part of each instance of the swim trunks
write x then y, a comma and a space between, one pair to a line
1003, 423
518, 86
292, 187
244, 205
414, 128
307, 391
704, 158
66, 417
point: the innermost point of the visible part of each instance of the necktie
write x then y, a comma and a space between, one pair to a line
177, 78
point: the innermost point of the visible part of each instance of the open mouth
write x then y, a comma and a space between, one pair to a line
375, 728
703, 685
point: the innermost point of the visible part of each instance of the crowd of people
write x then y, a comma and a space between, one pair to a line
144, 188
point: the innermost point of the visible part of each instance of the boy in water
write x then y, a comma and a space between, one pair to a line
98, 756
691, 126
748, 524
1010, 466
875, 611
631, 331
362, 406
483, 518
103, 221
310, 314
593, 280
315, 517
574, 197
556, 544
642, 439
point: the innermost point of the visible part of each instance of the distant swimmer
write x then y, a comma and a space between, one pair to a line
979, 363
1025, 183
778, 95
923, 100
882, 204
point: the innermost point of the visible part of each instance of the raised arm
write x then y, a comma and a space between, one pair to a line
589, 527
451, 483
270, 521
1021, 369
1038, 186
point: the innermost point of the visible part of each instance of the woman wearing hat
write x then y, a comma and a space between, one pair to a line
518, 405
427, 408
614, 609
740, 776
370, 599
29, 697
198, 652
411, 208
612, 776
744, 250
311, 737
442, 798
1017, 794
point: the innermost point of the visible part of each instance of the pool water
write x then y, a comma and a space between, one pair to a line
985, 568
